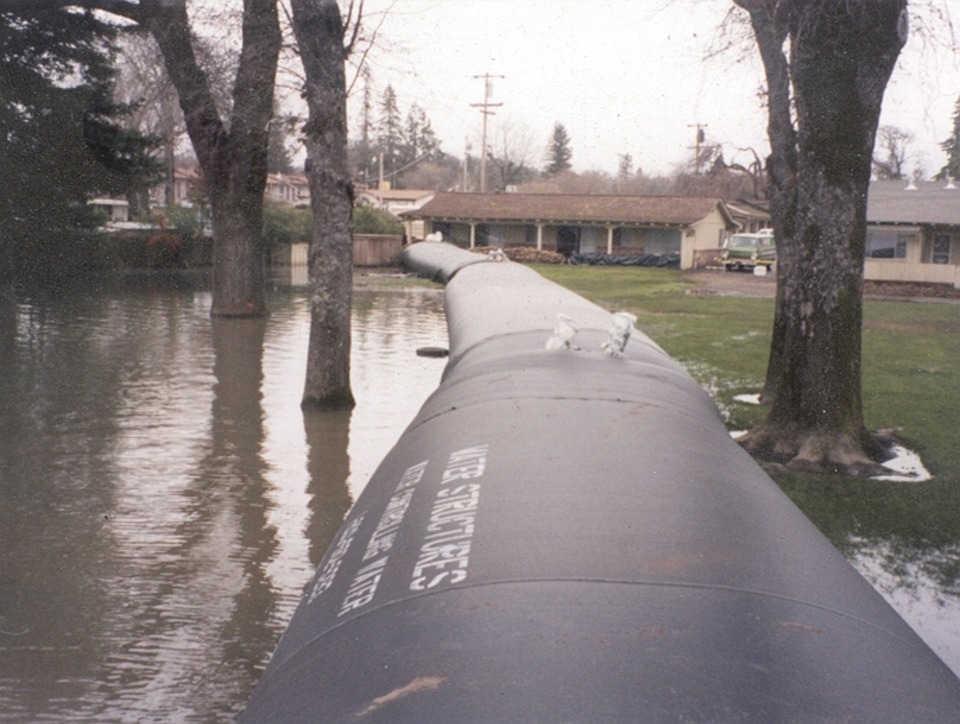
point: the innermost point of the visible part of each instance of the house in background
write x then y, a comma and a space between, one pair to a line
752, 215
691, 227
397, 202
187, 188
913, 232
117, 210
288, 188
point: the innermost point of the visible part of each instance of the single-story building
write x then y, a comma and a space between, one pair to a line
913, 232
692, 227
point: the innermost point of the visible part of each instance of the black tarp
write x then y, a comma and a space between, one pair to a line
652, 260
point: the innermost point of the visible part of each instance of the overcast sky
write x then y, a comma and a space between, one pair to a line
623, 76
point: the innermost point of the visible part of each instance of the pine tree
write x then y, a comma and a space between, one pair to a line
364, 150
278, 157
366, 108
419, 140
389, 130
559, 152
951, 147
60, 142
231, 151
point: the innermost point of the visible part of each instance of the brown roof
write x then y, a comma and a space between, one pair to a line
569, 208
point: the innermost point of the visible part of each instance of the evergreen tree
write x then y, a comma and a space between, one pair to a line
951, 147
278, 157
60, 143
390, 131
559, 151
366, 108
419, 140
363, 151
230, 143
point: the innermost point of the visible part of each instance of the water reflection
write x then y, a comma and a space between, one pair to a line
162, 498
328, 466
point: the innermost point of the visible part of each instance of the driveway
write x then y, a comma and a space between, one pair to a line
732, 284
745, 284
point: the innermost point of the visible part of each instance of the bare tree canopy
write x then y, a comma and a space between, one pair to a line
892, 153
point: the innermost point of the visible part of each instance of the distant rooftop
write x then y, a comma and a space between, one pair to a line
570, 208
905, 202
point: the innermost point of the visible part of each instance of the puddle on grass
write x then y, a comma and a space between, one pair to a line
906, 466
911, 586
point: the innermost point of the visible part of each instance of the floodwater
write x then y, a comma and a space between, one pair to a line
163, 499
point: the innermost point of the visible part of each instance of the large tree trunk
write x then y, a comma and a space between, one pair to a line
234, 159
318, 26
841, 58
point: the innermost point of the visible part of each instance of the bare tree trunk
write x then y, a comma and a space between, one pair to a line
842, 55
770, 31
234, 160
319, 29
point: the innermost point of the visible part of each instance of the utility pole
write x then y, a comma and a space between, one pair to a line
466, 162
701, 137
485, 111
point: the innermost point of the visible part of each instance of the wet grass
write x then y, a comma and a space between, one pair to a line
911, 383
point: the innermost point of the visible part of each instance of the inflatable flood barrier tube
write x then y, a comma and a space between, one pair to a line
562, 535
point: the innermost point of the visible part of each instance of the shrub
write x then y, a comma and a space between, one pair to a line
283, 224
368, 220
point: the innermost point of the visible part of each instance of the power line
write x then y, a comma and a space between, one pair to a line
485, 111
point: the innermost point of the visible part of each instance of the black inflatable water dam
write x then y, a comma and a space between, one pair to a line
567, 536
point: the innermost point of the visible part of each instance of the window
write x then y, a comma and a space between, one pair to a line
886, 244
941, 249
662, 241
481, 235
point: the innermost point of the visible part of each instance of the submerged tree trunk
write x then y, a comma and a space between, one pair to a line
842, 55
320, 34
233, 157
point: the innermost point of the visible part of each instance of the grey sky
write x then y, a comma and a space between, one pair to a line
623, 76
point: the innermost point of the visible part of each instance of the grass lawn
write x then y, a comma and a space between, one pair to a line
911, 383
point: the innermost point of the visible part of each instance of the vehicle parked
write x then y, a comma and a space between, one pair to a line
747, 251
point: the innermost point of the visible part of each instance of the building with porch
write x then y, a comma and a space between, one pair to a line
691, 227
913, 232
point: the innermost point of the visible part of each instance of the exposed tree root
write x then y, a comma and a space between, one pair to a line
824, 453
